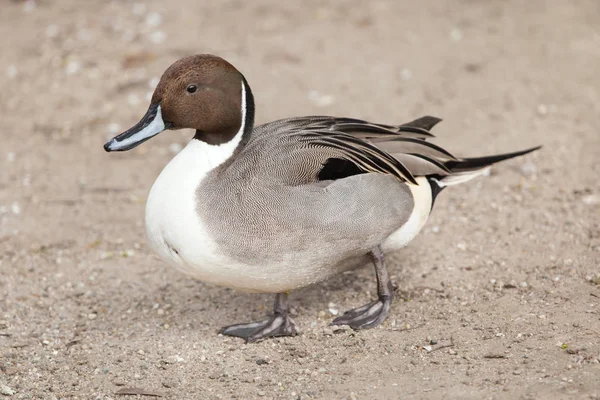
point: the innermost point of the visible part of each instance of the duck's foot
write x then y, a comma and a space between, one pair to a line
374, 313
280, 324
277, 325
365, 317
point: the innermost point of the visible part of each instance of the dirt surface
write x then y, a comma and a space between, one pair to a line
503, 283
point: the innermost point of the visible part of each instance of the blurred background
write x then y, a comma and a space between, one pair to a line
506, 269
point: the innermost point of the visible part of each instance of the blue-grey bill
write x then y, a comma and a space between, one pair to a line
150, 125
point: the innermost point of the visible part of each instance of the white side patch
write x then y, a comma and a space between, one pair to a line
154, 128
422, 208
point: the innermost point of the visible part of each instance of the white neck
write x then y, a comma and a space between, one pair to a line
171, 216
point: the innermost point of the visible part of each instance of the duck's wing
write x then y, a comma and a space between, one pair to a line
316, 148
312, 149
417, 129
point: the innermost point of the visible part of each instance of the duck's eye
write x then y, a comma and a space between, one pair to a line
191, 88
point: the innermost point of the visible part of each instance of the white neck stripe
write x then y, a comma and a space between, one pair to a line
211, 156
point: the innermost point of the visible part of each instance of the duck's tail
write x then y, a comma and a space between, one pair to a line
465, 169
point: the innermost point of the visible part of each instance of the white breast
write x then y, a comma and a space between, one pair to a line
174, 230
422, 208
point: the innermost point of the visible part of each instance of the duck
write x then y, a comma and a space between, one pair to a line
280, 206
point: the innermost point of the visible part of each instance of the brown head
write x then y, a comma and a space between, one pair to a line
201, 92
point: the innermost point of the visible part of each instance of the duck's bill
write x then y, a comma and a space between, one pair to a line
150, 125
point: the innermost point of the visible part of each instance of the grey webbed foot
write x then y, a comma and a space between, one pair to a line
374, 313
280, 324
277, 325
368, 316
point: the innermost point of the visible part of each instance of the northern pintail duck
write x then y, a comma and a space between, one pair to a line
280, 206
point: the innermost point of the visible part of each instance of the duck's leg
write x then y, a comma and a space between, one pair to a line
374, 313
280, 324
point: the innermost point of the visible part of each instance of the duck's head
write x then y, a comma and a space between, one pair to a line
202, 92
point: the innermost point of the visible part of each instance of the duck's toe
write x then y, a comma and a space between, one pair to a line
277, 325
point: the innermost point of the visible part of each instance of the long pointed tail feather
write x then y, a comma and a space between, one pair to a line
468, 164
465, 169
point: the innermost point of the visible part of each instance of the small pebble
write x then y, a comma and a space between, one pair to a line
591, 199
433, 342
333, 309
452, 352
153, 19
169, 383
158, 37
15, 208
5, 390
542, 109
128, 253
92, 316
73, 67
10, 156
320, 100
29, 6
435, 229
261, 361
174, 359
517, 372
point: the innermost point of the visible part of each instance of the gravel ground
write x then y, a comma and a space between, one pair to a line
499, 295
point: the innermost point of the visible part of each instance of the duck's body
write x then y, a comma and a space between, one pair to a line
293, 235
286, 204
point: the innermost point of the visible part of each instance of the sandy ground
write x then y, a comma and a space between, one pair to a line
504, 278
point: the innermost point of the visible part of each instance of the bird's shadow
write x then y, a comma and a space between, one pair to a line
196, 305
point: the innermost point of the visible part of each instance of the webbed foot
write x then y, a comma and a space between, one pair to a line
279, 324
